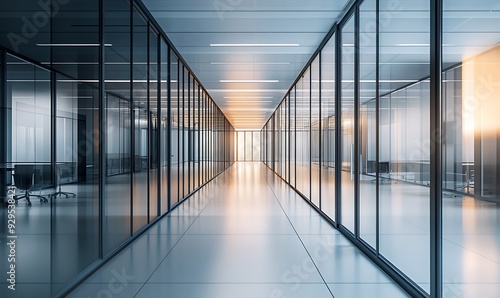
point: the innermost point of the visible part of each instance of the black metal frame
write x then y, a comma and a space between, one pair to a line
436, 187
3, 121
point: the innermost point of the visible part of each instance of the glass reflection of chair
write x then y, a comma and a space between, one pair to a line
384, 172
469, 183
60, 176
28, 178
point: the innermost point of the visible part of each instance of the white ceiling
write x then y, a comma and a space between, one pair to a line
193, 25
295, 28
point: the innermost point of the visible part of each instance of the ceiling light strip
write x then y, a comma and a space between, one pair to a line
254, 44
72, 44
249, 81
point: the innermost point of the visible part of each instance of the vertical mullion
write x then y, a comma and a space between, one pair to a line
436, 149
158, 125
189, 142
377, 124
132, 115
338, 138
310, 132
320, 157
179, 174
199, 136
3, 122
356, 124
169, 132
102, 126
148, 134
182, 135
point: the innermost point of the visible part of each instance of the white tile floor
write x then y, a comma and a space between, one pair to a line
241, 236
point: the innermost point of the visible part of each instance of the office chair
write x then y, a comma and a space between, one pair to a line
25, 179
470, 182
59, 191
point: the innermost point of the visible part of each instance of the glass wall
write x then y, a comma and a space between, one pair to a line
140, 136
347, 153
103, 129
470, 149
404, 133
328, 131
27, 157
165, 133
248, 144
368, 122
117, 127
303, 135
315, 132
376, 85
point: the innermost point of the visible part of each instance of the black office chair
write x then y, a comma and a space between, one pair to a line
25, 179
59, 192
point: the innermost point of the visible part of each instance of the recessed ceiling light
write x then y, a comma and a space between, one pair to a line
249, 63
247, 90
413, 45
240, 101
249, 81
254, 44
248, 97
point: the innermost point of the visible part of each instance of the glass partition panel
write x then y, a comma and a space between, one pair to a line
76, 180
248, 146
368, 124
140, 118
315, 132
404, 160
175, 119
117, 123
256, 145
293, 138
471, 149
303, 135
27, 177
186, 142
347, 125
153, 123
328, 128
164, 133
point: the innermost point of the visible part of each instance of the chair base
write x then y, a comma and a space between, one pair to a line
63, 193
27, 197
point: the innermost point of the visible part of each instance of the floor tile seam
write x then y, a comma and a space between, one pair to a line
241, 234
362, 283
178, 240
231, 283
300, 239
474, 252
462, 234
402, 218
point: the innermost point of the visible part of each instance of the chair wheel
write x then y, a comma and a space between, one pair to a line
29, 204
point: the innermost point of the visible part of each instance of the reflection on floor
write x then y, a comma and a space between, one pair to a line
245, 234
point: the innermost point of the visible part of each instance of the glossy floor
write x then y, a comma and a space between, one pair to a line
245, 234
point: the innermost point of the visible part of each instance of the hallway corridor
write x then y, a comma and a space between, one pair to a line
245, 234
